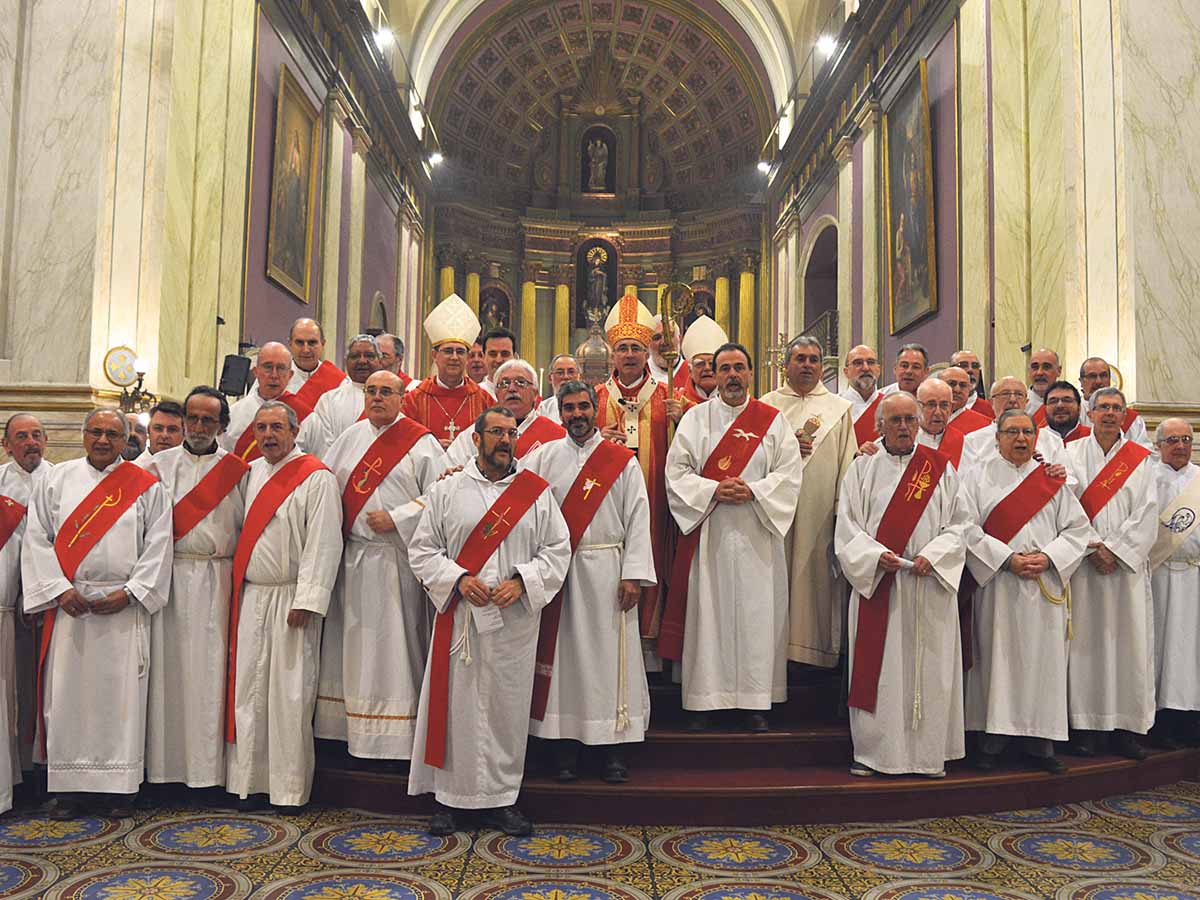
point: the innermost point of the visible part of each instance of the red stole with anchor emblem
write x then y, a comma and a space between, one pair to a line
540, 431
11, 514
381, 457
82, 531
277, 489
1112, 478
599, 473
208, 492
727, 460
484, 540
903, 512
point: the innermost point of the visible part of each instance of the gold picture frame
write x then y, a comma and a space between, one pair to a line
909, 213
294, 166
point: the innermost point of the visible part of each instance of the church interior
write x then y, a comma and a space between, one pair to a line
183, 180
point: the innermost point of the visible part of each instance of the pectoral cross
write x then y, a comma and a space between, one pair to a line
369, 469
452, 429
109, 500
588, 485
490, 528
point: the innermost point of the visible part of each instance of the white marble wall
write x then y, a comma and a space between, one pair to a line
358, 188
975, 210
331, 231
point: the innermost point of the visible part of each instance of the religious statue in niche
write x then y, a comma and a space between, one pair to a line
495, 310
598, 158
596, 281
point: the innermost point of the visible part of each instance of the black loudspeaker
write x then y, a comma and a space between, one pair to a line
235, 375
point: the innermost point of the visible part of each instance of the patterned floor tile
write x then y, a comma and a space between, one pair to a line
1074, 853
944, 890
554, 887
381, 842
25, 876
355, 885
574, 848
211, 837
1125, 890
165, 881
904, 852
734, 851
757, 889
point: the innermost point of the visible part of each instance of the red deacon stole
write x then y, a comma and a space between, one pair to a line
90, 521
381, 457
277, 489
324, 378
1112, 478
1039, 416
540, 431
1079, 431
208, 492
599, 473
952, 445
904, 511
481, 543
727, 460
247, 446
864, 425
11, 514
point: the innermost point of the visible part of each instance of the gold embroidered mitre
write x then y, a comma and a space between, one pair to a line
629, 320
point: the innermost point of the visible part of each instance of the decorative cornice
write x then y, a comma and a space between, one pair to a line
530, 271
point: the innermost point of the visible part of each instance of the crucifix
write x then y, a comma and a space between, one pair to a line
452, 429
588, 485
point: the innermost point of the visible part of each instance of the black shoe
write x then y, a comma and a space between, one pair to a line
288, 811
253, 803
1125, 744
756, 723
64, 808
697, 722
615, 770
148, 798
1164, 740
1051, 764
442, 823
1081, 745
509, 820
566, 759
985, 762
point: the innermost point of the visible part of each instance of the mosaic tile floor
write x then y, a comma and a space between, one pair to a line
1143, 846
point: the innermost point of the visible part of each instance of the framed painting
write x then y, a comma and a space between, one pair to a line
293, 188
908, 205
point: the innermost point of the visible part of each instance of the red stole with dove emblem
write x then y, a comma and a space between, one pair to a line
903, 512
376, 464
727, 460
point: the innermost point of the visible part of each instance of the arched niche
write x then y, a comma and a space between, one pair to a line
378, 321
495, 306
599, 158
594, 253
818, 286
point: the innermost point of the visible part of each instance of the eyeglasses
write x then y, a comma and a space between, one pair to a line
453, 350
1006, 395
1185, 439
110, 433
275, 367
378, 391
499, 432
519, 383
935, 404
1013, 432
202, 421
902, 420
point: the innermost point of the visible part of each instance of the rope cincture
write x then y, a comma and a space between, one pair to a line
1059, 601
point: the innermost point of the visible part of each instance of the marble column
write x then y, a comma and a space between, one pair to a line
975, 208
872, 197
447, 258
336, 115
843, 153
721, 293
529, 275
563, 276
472, 265
748, 263
358, 193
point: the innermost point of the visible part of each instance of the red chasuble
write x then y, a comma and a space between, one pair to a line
984, 408
1004, 521
324, 378
655, 433
277, 489
727, 460
208, 492
1112, 478
864, 425
391, 446
445, 411
481, 543
683, 376
82, 531
904, 511
246, 447
11, 514
969, 420
540, 431
601, 471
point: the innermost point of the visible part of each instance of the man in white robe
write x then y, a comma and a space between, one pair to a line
917, 721
934, 405
1175, 574
968, 361
376, 635
1095, 373
25, 441
824, 431
163, 431
494, 627
95, 675
910, 369
1017, 685
185, 740
306, 343
1110, 675
516, 391
598, 693
734, 645
272, 369
1045, 368
563, 368
962, 416
861, 374
980, 447
341, 407
289, 576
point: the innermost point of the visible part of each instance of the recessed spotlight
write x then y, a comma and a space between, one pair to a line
764, 166
384, 38
436, 158
826, 45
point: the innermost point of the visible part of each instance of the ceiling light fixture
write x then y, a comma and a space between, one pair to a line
826, 45
384, 38
764, 167
436, 158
